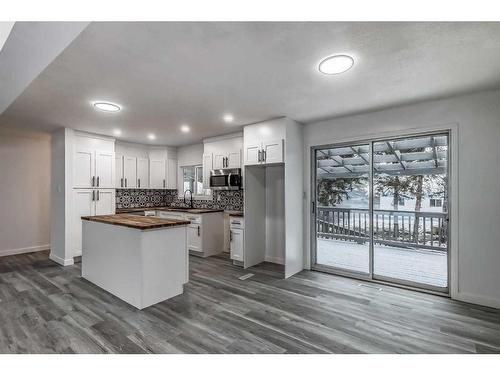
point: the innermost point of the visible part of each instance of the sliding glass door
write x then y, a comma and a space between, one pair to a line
342, 208
381, 210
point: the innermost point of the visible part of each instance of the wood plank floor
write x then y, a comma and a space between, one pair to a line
45, 308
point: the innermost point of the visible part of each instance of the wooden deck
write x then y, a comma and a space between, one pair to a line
416, 265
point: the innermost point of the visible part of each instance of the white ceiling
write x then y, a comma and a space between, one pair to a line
166, 74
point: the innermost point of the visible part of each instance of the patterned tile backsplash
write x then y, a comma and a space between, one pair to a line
143, 198
221, 199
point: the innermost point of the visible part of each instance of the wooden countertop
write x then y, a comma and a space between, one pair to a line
190, 210
169, 209
136, 221
236, 213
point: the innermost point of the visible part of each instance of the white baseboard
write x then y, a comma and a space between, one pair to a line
61, 261
274, 260
24, 250
477, 299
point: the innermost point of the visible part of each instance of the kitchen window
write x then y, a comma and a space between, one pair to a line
192, 179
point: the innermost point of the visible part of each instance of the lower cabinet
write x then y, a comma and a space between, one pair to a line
236, 244
205, 234
236, 240
89, 202
194, 238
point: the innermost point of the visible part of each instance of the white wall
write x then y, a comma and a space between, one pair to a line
476, 212
24, 191
190, 155
187, 156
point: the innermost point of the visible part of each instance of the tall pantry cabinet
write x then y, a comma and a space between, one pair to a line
93, 181
82, 184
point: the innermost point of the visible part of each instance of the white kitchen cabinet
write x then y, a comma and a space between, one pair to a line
105, 169
93, 168
171, 173
119, 183
205, 233
84, 168
207, 167
194, 238
104, 202
143, 173
219, 161
272, 151
266, 152
129, 172
157, 178
231, 159
89, 202
236, 244
252, 154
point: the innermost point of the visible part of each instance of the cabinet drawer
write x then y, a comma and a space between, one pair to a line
194, 219
236, 222
170, 215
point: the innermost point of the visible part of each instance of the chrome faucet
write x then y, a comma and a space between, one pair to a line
191, 198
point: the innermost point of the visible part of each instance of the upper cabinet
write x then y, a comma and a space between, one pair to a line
171, 173
267, 152
264, 143
143, 173
143, 167
157, 174
93, 168
227, 159
131, 172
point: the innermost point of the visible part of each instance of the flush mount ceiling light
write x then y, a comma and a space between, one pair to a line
228, 118
151, 137
117, 132
106, 106
185, 129
335, 64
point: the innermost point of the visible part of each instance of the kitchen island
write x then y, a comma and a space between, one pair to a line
141, 260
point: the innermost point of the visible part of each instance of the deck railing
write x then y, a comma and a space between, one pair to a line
391, 228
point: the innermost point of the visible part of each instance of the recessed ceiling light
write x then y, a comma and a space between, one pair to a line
185, 129
336, 64
228, 118
106, 106
151, 136
117, 132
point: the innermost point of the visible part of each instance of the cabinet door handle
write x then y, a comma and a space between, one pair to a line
198, 231
121, 182
93, 195
259, 156
264, 155
93, 181
164, 183
97, 194
97, 181
138, 182
125, 182
230, 236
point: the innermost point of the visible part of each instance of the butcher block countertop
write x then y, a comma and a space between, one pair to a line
136, 221
169, 209
190, 210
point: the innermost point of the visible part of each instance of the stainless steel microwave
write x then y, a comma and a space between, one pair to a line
225, 179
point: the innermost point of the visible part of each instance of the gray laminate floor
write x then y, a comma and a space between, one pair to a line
45, 308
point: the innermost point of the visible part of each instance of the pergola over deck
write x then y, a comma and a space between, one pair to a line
411, 156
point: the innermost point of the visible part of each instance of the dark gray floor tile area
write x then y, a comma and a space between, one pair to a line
45, 308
